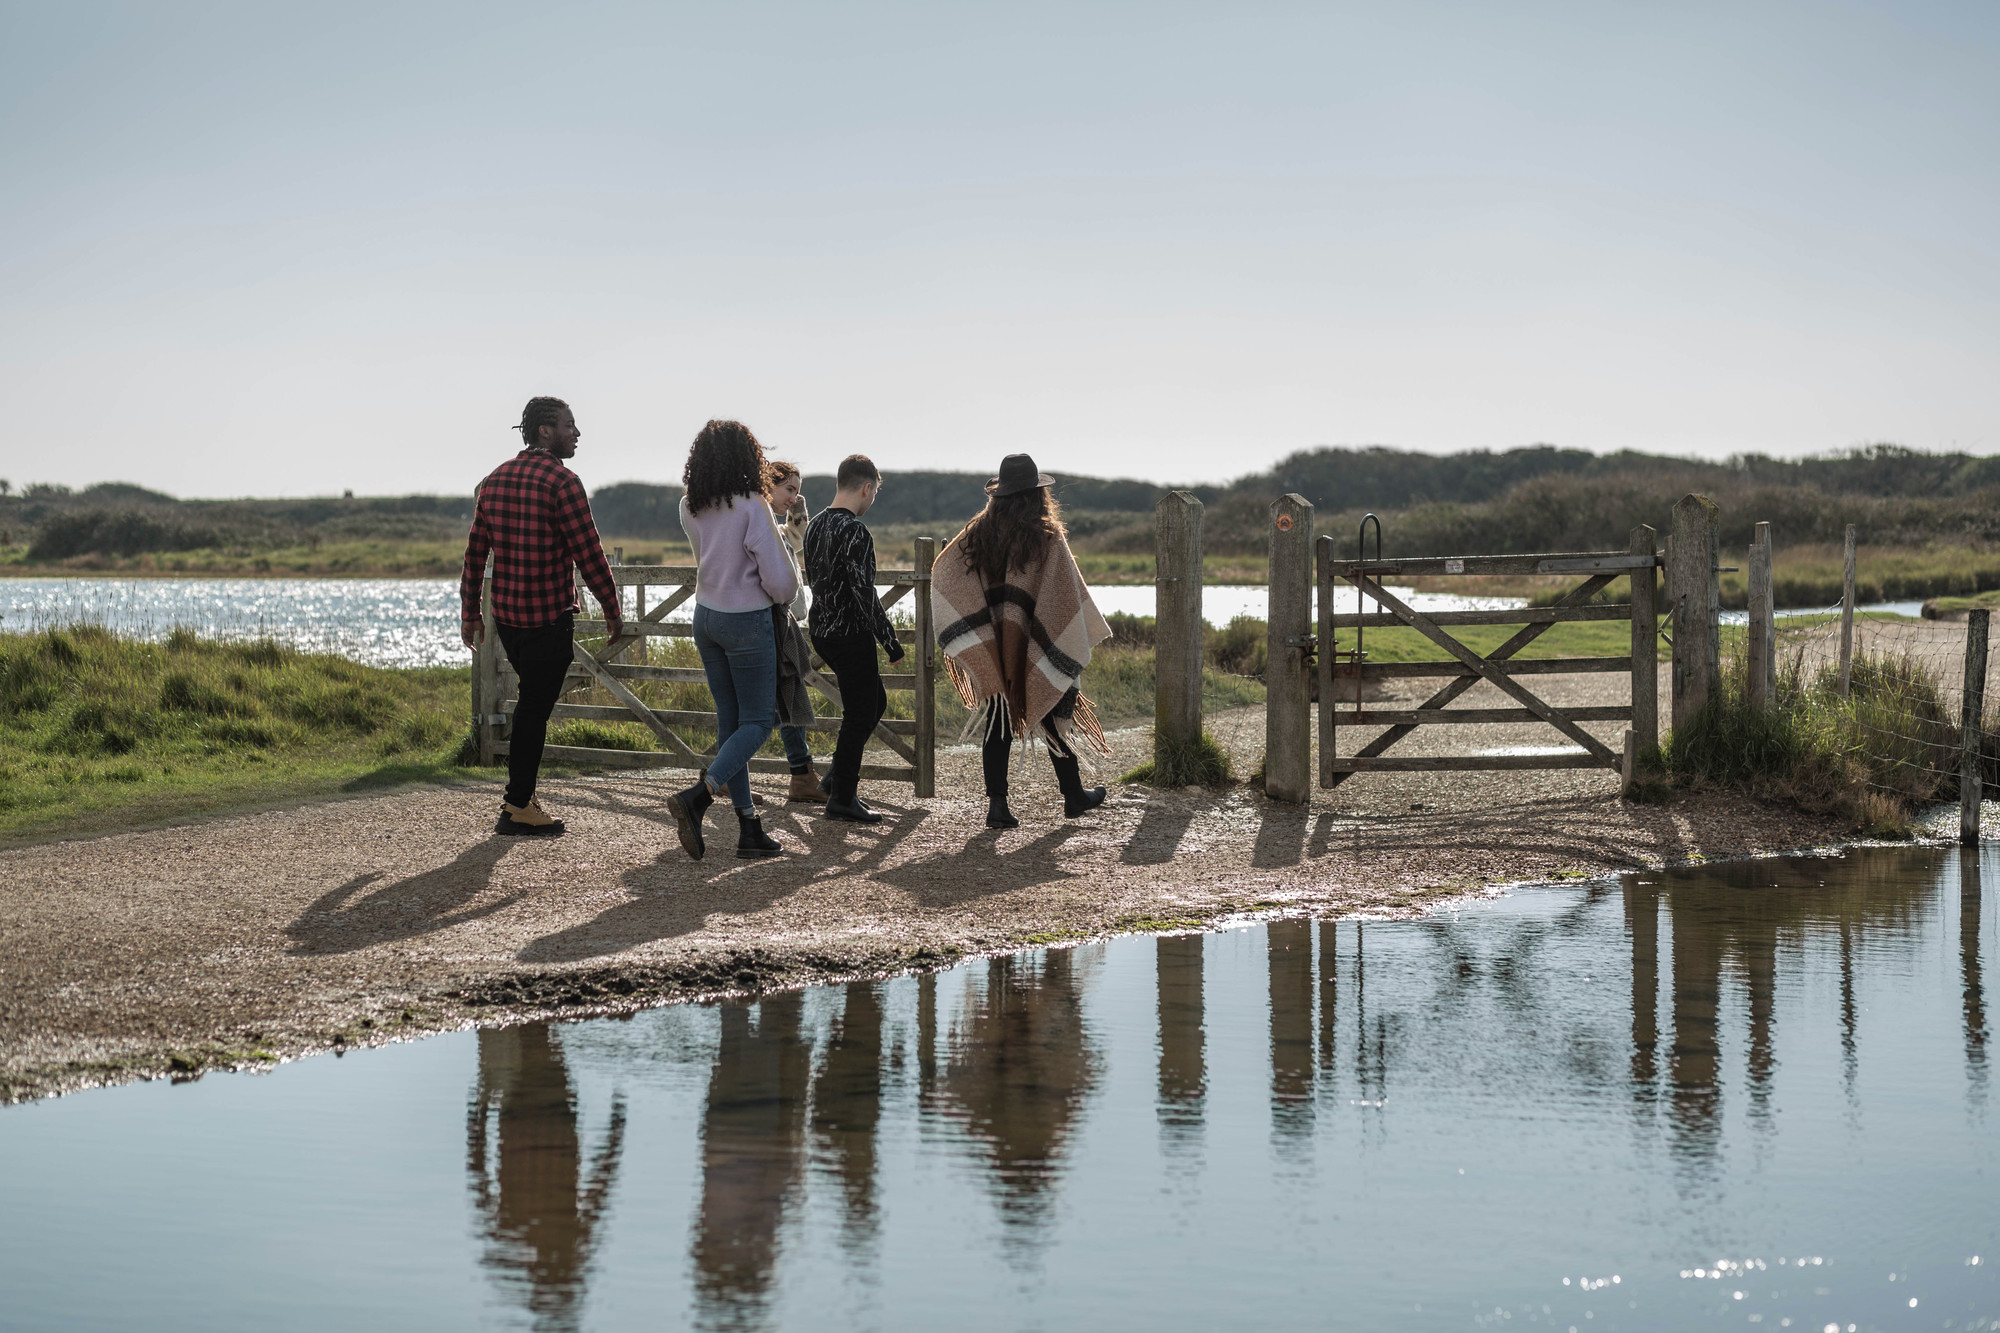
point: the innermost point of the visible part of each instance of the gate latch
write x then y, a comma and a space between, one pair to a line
1301, 640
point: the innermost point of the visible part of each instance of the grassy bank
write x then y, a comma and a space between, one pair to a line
98, 731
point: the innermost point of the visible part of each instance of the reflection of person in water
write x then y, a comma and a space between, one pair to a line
540, 1210
752, 1151
847, 1107
1017, 1075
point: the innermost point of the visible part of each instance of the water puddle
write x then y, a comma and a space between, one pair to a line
1750, 1096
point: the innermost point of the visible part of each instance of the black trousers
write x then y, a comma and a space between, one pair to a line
999, 743
540, 656
862, 703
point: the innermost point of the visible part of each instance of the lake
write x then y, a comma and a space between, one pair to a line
1748, 1096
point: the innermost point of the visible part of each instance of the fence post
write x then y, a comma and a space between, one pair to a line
1972, 727
1323, 583
486, 673
1288, 621
1761, 679
1692, 583
1645, 644
1178, 633
1847, 611
924, 663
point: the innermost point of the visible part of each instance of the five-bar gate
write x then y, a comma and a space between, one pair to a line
1344, 675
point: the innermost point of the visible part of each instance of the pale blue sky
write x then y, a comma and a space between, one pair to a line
259, 249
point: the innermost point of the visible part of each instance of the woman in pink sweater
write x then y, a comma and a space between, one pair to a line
743, 570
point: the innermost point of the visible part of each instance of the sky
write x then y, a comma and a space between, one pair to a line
286, 250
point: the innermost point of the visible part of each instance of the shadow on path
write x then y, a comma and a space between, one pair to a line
433, 900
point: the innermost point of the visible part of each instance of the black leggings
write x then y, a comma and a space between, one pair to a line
540, 656
993, 756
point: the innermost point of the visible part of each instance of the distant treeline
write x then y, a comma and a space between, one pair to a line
1538, 498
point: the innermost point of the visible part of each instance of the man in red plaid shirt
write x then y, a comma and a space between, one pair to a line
533, 517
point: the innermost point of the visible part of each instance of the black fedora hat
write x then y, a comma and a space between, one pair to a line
1018, 473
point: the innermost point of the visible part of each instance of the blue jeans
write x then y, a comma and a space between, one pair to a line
739, 654
797, 752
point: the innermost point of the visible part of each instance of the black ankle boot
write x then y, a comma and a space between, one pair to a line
1076, 798
687, 808
751, 840
998, 815
844, 802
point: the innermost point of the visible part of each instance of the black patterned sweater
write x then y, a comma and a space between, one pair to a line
840, 566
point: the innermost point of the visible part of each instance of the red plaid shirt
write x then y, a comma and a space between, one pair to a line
533, 515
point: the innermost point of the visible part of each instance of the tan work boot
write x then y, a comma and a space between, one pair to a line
528, 820
805, 787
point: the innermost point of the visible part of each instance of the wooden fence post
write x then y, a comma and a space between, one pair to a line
1847, 610
924, 664
1761, 677
486, 673
1179, 631
1692, 583
1971, 728
1645, 644
1323, 582
1287, 686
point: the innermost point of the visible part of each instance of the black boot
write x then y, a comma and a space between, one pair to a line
1076, 800
843, 802
751, 840
687, 808
998, 815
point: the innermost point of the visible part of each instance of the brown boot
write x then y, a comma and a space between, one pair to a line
805, 787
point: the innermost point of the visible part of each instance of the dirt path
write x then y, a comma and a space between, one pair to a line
274, 934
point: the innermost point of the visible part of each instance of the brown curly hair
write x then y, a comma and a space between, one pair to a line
777, 471
726, 461
1012, 532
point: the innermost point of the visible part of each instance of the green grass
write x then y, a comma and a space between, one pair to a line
1201, 762
98, 731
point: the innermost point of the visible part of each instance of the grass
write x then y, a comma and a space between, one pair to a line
1200, 762
98, 731
1874, 757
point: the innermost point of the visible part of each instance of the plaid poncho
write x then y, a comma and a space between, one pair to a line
1016, 649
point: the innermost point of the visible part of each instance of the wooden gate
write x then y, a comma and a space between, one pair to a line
496, 689
1345, 673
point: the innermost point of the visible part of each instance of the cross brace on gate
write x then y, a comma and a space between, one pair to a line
1341, 671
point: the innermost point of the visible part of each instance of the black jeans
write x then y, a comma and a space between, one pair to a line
540, 656
994, 753
862, 703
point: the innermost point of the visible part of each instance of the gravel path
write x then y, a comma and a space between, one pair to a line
240, 939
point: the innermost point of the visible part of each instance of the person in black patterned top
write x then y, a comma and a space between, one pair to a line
847, 622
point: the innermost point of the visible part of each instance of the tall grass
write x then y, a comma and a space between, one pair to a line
1873, 756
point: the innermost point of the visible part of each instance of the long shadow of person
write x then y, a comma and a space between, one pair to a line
980, 869
434, 900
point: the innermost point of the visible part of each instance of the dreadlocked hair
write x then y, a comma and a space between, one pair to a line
726, 461
1012, 532
538, 413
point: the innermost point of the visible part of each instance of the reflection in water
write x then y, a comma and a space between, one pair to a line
1183, 1057
540, 1209
751, 1157
1008, 1059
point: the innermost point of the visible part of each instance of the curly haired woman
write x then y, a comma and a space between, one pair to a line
742, 571
1018, 627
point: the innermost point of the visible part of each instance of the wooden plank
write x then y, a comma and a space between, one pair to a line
1525, 615
685, 718
1847, 611
1599, 564
896, 594
1288, 688
1527, 666
633, 703
923, 640
626, 575
1761, 669
1645, 645
1328, 735
1468, 564
1472, 763
590, 755
1692, 583
1492, 672
1178, 629
1971, 717
1421, 717
626, 672
679, 629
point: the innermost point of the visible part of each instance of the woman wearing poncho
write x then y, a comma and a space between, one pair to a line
1018, 627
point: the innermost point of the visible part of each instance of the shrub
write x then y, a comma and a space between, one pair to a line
1197, 763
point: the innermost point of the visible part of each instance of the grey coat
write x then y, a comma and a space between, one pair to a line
794, 661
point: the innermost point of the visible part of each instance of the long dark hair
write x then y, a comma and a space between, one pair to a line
726, 461
1012, 532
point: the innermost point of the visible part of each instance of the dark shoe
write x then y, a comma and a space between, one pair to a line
850, 807
998, 815
530, 821
806, 787
1087, 800
751, 840
1076, 798
687, 808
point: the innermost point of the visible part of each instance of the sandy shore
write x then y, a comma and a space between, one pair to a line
242, 939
